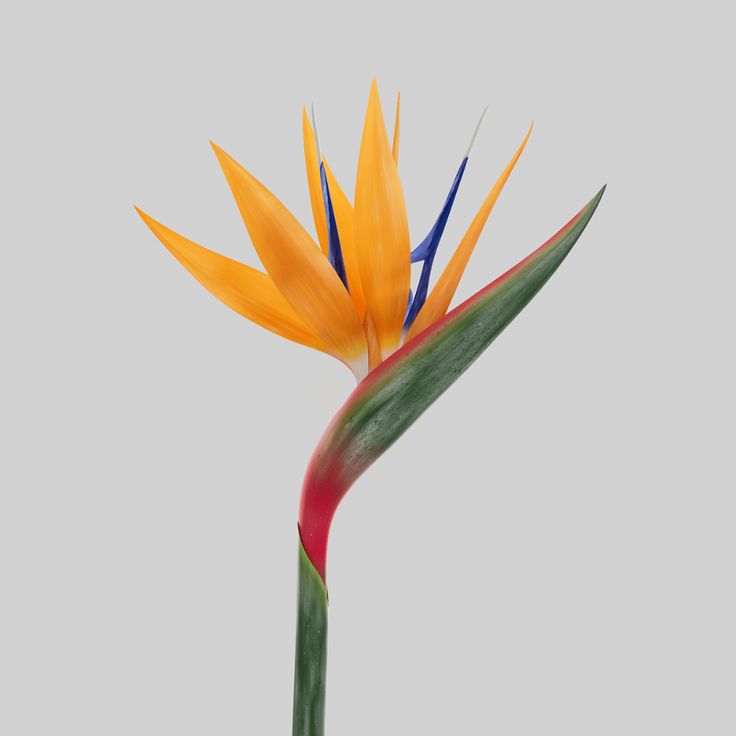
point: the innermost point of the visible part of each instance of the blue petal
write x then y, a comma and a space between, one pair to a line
427, 249
334, 253
408, 304
420, 252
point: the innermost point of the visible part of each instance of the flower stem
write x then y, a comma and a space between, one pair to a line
311, 651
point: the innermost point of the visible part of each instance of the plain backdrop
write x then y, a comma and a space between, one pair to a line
579, 475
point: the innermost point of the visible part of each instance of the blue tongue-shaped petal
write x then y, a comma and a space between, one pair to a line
430, 249
420, 252
423, 249
429, 244
427, 249
334, 254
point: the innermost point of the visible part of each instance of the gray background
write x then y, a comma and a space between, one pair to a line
577, 473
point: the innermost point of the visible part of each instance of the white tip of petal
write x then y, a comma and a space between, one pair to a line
475, 132
316, 135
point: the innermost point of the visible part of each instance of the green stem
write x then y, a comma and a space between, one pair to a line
311, 651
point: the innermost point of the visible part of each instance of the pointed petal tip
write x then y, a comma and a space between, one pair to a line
526, 138
227, 163
145, 217
151, 223
221, 155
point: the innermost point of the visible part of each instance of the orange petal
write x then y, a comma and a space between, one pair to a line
344, 216
315, 185
395, 147
298, 268
381, 230
441, 295
374, 349
243, 289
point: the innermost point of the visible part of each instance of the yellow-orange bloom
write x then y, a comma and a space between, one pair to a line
348, 294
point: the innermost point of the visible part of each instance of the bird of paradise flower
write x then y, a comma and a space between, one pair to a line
349, 296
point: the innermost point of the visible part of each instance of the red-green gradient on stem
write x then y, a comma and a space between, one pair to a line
393, 396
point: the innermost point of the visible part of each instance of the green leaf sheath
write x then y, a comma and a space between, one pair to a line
311, 651
433, 363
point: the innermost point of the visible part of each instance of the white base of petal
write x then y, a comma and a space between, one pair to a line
359, 367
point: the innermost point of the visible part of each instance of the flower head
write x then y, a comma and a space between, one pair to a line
349, 295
